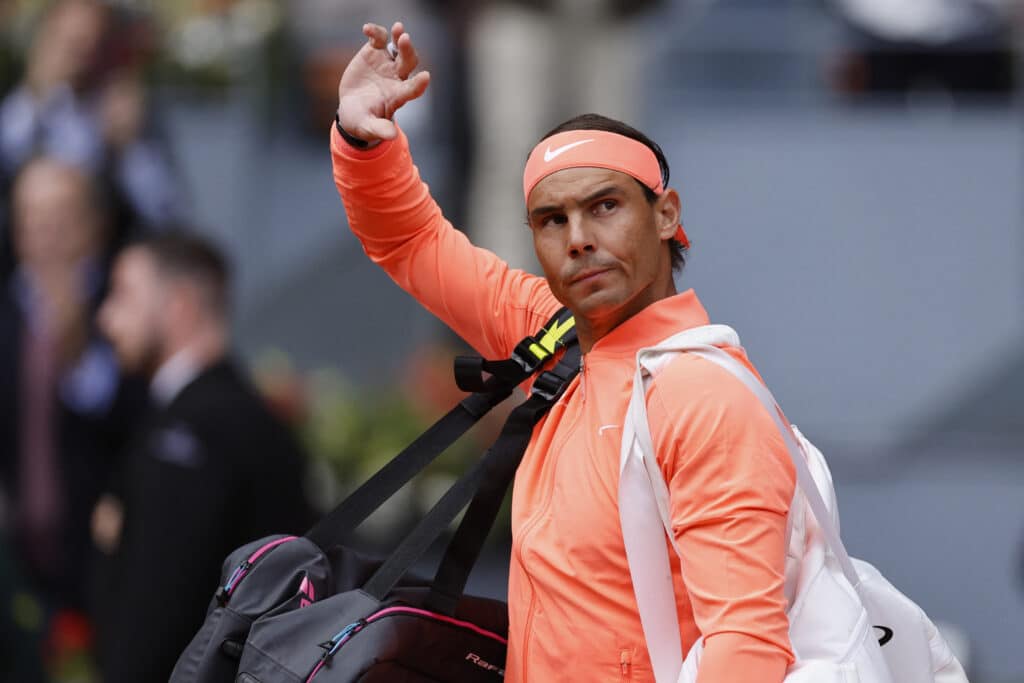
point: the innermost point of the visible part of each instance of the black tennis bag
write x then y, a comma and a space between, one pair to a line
306, 608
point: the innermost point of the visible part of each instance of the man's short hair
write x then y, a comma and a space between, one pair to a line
610, 125
183, 255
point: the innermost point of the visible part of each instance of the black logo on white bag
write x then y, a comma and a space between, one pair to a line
886, 634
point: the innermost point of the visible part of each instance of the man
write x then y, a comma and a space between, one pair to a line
212, 469
63, 407
606, 230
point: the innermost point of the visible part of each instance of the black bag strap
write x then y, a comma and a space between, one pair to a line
483, 488
528, 356
467, 543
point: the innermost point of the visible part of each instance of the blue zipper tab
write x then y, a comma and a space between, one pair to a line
332, 645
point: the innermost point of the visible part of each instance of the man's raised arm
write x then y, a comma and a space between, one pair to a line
400, 226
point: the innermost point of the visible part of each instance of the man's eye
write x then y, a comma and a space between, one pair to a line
554, 219
605, 205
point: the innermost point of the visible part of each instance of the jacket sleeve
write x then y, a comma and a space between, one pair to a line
401, 228
731, 483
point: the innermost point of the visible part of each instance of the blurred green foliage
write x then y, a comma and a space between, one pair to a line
351, 432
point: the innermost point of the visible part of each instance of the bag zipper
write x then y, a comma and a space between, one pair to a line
242, 570
332, 646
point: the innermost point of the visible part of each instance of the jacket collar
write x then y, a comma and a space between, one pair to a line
658, 321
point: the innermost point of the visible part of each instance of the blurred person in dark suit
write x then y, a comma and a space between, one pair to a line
210, 469
63, 407
81, 99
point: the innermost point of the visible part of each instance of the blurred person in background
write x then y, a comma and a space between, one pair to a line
962, 47
82, 100
64, 410
209, 470
557, 58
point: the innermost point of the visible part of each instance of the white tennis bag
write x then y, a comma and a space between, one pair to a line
840, 609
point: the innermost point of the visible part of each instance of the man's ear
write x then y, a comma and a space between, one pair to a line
668, 209
182, 301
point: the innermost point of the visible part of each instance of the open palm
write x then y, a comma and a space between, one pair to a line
374, 85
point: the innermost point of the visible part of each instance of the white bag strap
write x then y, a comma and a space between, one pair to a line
644, 500
642, 517
641, 514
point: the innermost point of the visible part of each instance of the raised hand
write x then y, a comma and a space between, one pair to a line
376, 84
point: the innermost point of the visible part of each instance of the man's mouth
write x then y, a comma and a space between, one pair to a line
587, 274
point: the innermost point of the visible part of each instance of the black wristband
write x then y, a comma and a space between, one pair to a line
347, 137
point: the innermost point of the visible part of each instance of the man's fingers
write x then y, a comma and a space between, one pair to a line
407, 59
409, 90
417, 85
368, 120
376, 87
377, 34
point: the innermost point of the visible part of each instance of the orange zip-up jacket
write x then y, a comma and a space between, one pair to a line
572, 613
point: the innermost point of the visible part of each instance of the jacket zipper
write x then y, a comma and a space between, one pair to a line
225, 592
529, 627
343, 636
531, 525
625, 663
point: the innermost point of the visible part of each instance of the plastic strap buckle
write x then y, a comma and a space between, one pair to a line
525, 355
548, 385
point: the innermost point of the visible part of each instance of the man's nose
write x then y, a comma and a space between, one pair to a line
581, 238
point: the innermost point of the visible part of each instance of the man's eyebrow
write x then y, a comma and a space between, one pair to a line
603, 192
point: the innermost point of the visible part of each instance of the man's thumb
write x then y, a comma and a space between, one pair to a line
416, 86
381, 129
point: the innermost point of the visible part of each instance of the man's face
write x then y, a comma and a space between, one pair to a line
601, 244
55, 223
132, 316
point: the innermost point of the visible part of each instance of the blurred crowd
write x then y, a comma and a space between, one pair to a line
134, 453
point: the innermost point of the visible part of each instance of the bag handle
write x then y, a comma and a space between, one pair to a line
483, 487
465, 546
527, 358
360, 504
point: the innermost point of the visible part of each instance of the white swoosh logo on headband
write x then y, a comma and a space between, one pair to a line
550, 154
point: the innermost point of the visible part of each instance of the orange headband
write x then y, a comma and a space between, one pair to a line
595, 149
